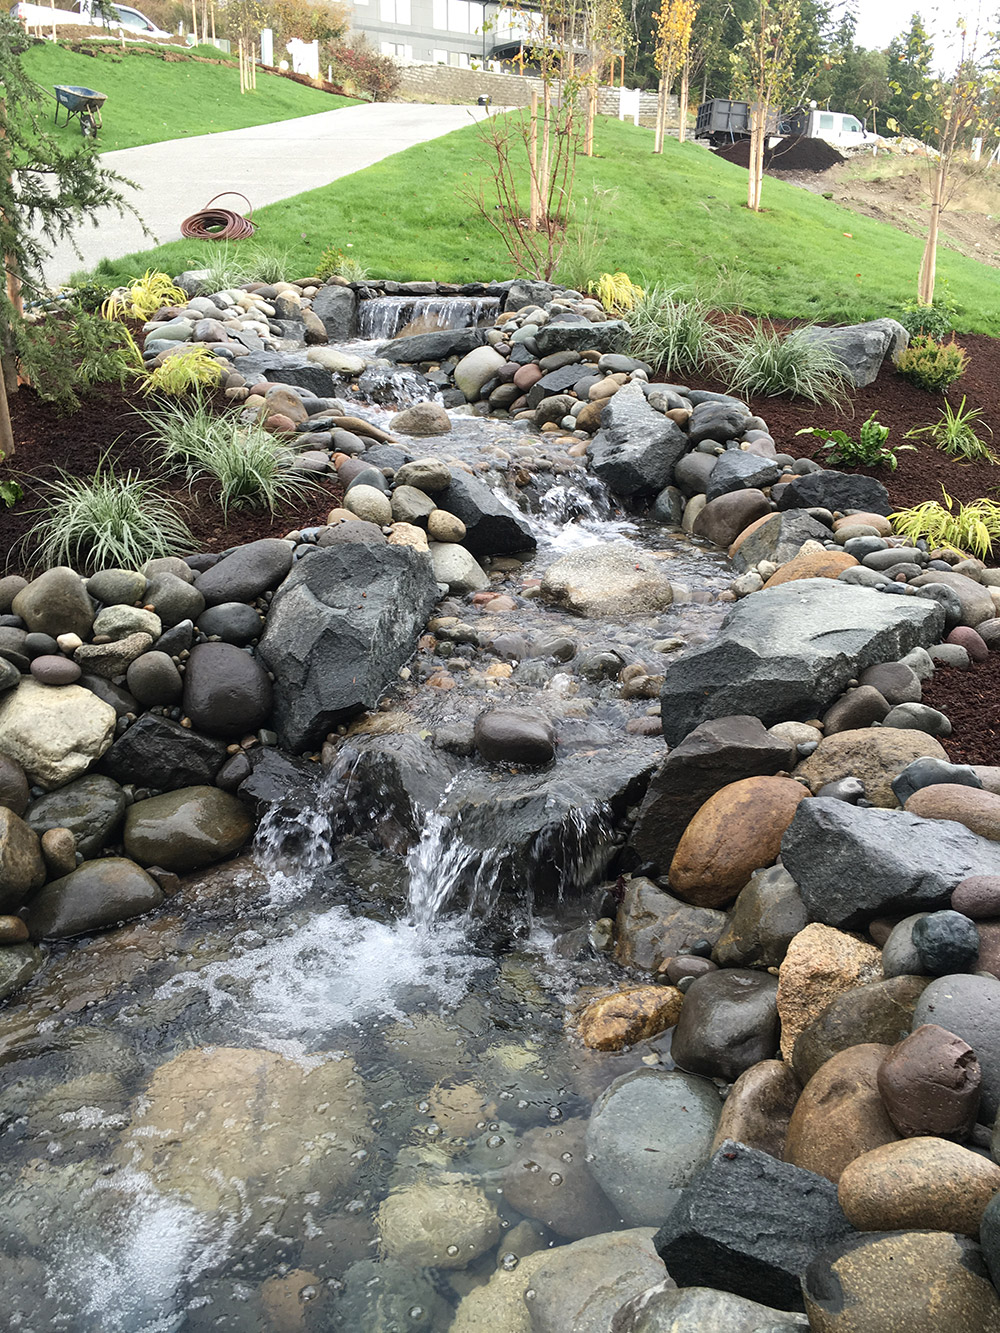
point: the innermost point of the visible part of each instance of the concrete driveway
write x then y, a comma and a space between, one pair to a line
266, 162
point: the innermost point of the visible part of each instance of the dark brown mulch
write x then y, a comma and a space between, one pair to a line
793, 153
971, 700
106, 423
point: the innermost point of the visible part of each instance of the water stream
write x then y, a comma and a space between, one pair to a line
381, 992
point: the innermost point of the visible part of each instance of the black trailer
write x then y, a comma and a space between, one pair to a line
723, 120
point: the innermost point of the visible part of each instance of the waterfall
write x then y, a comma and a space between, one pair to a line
383, 317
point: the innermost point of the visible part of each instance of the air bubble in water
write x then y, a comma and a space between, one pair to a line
555, 1113
451, 1251
555, 1178
508, 1262
416, 1312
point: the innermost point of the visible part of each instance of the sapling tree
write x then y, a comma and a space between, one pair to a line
764, 70
45, 193
673, 36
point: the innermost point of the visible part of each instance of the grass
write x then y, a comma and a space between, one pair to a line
672, 334
678, 219
973, 527
763, 362
150, 99
955, 434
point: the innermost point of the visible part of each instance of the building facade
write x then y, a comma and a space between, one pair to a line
466, 34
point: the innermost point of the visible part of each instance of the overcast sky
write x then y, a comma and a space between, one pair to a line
881, 20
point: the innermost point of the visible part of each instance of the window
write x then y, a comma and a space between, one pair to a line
851, 125
439, 19
459, 16
394, 11
399, 50
826, 122
439, 57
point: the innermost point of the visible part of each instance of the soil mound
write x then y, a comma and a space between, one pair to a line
793, 153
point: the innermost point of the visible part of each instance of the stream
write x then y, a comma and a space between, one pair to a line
398, 1007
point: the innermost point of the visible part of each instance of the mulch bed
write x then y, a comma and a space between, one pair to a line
107, 424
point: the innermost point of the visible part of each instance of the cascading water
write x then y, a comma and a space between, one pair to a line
383, 317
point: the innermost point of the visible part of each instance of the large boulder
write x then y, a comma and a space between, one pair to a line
437, 346
637, 447
186, 829
339, 628
789, 652
562, 336
96, 895
829, 489
491, 528
852, 864
91, 808
777, 538
861, 348
598, 581
56, 603
55, 732
474, 369
337, 307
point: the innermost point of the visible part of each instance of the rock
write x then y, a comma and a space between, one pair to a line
862, 348
649, 1133
22, 869
18, 964
54, 732
652, 926
932, 772
186, 829
474, 369
719, 421
490, 527
109, 660
724, 518
833, 490
790, 651
736, 831
278, 781
515, 736
405, 534
160, 753
333, 650
820, 964
767, 915
758, 1108
918, 717
154, 680
457, 567
337, 309
989, 1235
840, 1113
919, 1183
812, 565
738, 471
232, 622
709, 758
978, 897
969, 1007
875, 1283
777, 538
749, 1224
118, 622
978, 810
424, 474
444, 527
247, 572
55, 602
91, 808
174, 599
897, 683
96, 895
52, 669
636, 448
410, 505
437, 346
226, 691
665, 1309
945, 942
880, 1012
931, 1083
562, 336
14, 790
729, 1022
692, 473
851, 864
549, 1180
369, 504
628, 1016
974, 600
58, 852
876, 758
596, 581
444, 1224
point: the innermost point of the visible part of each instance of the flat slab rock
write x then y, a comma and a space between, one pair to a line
788, 652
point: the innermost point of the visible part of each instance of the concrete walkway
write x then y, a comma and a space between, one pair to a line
266, 162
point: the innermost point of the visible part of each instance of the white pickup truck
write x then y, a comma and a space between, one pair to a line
132, 21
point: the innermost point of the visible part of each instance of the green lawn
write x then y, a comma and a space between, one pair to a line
678, 219
150, 99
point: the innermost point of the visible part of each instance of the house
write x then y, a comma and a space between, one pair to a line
469, 34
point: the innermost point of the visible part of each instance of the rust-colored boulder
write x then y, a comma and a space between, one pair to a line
736, 831
812, 565
820, 964
758, 1108
613, 1021
930, 1083
750, 527
840, 1113
918, 1184
978, 810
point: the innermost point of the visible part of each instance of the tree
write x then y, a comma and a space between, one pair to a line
764, 74
45, 193
909, 58
606, 37
673, 35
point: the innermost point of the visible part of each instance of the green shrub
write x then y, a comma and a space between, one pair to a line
969, 527
768, 363
929, 321
106, 521
673, 334
955, 433
184, 372
333, 263
73, 351
868, 450
932, 365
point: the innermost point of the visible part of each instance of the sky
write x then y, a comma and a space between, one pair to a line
881, 20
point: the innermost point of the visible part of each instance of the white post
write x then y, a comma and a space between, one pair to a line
977, 149
266, 46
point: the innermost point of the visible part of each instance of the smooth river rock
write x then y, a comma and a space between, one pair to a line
729, 1021
55, 732
96, 895
917, 1184
840, 1113
186, 829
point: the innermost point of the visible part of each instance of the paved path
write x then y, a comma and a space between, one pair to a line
265, 162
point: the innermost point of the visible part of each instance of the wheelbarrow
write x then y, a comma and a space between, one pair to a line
85, 103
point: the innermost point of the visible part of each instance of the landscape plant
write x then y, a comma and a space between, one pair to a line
930, 321
184, 372
105, 521
142, 297
673, 37
932, 365
971, 527
870, 449
955, 433
672, 333
765, 362
616, 292
764, 73
334, 263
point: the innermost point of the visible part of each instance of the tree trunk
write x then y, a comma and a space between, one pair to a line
683, 109
535, 206
543, 182
661, 103
928, 264
194, 20
6, 430
591, 116
758, 137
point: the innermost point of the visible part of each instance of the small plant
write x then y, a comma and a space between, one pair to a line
106, 521
972, 527
616, 292
585, 238
671, 333
10, 493
929, 321
768, 363
143, 297
183, 372
75, 350
932, 365
955, 433
88, 293
333, 263
868, 450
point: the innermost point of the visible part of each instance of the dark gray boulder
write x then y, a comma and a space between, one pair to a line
246, 573
861, 348
833, 490
740, 471
278, 780
636, 448
156, 752
750, 1224
232, 622
491, 528
337, 307
390, 784
436, 346
719, 421
853, 864
788, 652
716, 753
227, 692
91, 808
96, 895
729, 1021
338, 630
562, 336
778, 539
297, 371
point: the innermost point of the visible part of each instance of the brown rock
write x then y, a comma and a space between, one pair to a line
989, 947
923, 1183
812, 565
904, 1282
877, 521
977, 810
724, 518
874, 755
13, 930
550, 1181
854, 710
613, 1021
758, 1108
840, 1113
59, 851
287, 404
22, 869
653, 926
14, 790
880, 1012
736, 831
930, 1083
819, 964
977, 897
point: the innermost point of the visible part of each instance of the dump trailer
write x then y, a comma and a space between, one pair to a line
722, 120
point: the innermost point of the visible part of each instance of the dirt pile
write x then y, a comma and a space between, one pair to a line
793, 153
